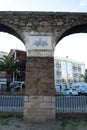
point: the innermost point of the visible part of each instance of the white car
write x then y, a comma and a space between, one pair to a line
81, 87
17, 85
70, 92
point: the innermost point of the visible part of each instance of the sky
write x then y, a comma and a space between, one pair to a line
8, 41
44, 5
74, 46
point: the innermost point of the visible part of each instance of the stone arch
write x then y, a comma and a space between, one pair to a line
39, 101
75, 29
5, 28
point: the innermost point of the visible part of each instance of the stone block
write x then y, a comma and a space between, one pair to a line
35, 98
39, 115
47, 105
53, 99
39, 109
26, 105
26, 98
47, 98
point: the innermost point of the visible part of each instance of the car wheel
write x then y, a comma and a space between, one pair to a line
70, 93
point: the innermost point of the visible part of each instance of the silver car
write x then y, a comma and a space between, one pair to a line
70, 92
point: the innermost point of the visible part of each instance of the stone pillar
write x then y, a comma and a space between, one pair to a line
39, 105
39, 102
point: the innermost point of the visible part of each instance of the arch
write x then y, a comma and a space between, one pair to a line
75, 29
5, 28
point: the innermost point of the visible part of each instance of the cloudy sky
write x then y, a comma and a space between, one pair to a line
8, 41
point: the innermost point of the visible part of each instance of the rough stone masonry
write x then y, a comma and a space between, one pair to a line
40, 32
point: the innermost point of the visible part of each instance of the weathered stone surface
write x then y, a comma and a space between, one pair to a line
39, 101
39, 110
40, 76
17, 23
47, 105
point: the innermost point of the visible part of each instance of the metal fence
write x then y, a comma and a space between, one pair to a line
71, 103
11, 103
15, 103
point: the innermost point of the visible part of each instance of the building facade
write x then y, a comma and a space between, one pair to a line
2, 73
3, 54
21, 57
68, 71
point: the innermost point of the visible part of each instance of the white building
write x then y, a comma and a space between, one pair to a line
3, 53
68, 71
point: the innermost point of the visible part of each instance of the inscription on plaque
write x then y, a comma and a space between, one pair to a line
40, 42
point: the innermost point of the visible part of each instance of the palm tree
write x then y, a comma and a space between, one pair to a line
9, 65
85, 76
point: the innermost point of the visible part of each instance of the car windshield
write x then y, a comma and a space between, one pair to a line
74, 89
66, 89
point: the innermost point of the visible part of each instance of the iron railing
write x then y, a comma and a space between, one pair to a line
15, 103
11, 103
71, 103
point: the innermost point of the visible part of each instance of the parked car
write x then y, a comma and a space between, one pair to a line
3, 85
81, 87
17, 85
70, 92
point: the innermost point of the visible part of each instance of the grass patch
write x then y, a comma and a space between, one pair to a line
20, 117
71, 124
85, 120
18, 126
64, 122
4, 119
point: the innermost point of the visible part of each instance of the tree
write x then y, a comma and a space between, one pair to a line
85, 76
21, 68
9, 65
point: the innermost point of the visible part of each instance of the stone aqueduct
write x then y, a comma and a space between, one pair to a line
40, 32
